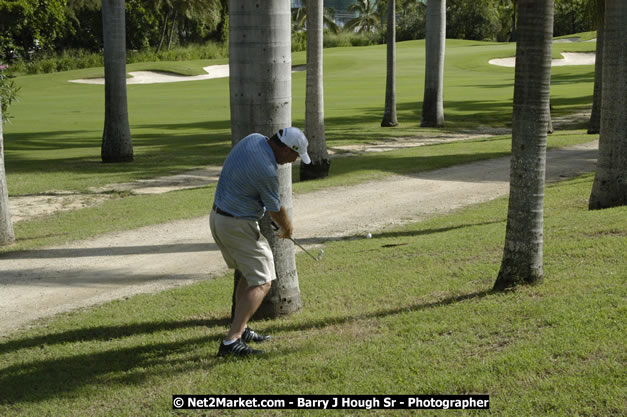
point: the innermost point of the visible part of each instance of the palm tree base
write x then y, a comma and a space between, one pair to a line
7, 239
110, 159
315, 171
431, 124
389, 123
277, 305
431, 119
511, 280
601, 201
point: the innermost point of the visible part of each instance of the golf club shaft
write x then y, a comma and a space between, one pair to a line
276, 228
305, 250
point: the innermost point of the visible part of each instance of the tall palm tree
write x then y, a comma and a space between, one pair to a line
389, 114
260, 82
366, 20
514, 11
117, 145
166, 7
7, 236
610, 181
314, 103
432, 104
522, 256
596, 10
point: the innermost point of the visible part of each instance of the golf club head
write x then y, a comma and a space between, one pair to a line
320, 255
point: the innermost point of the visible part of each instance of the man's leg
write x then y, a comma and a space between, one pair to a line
248, 301
237, 278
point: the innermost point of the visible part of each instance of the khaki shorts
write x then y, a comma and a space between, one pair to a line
243, 247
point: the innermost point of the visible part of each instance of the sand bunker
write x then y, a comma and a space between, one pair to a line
570, 58
571, 40
154, 77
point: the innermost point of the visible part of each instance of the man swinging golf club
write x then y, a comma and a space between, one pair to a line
247, 188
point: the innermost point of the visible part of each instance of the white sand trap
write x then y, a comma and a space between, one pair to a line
570, 58
571, 40
566, 40
154, 77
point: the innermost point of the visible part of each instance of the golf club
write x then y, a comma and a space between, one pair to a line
316, 258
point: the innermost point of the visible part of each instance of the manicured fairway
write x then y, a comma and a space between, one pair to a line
54, 139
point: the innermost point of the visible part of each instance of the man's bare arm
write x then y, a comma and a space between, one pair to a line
283, 220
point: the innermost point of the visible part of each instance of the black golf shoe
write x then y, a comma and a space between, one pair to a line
252, 336
238, 348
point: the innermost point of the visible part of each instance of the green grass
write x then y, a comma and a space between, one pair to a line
125, 211
53, 142
583, 36
54, 139
412, 319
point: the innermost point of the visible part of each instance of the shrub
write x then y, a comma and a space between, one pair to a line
79, 58
299, 41
344, 39
8, 92
412, 22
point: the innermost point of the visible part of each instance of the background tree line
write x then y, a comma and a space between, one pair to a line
28, 27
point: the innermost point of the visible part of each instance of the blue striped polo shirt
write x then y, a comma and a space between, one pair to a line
249, 182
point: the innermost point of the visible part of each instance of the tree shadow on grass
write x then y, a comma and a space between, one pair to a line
383, 313
457, 113
40, 380
108, 333
167, 147
570, 77
425, 232
52, 253
386, 235
173, 147
43, 379
409, 165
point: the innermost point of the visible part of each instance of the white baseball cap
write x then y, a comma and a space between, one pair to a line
296, 140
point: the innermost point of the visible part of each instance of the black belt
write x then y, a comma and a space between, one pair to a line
222, 212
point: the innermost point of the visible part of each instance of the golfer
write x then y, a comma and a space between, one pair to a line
248, 187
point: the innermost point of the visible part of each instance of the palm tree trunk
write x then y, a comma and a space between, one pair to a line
389, 114
260, 82
172, 28
7, 236
432, 105
522, 256
512, 37
610, 181
117, 145
163, 32
594, 126
314, 105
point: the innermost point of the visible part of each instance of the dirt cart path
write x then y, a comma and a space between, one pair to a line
40, 283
